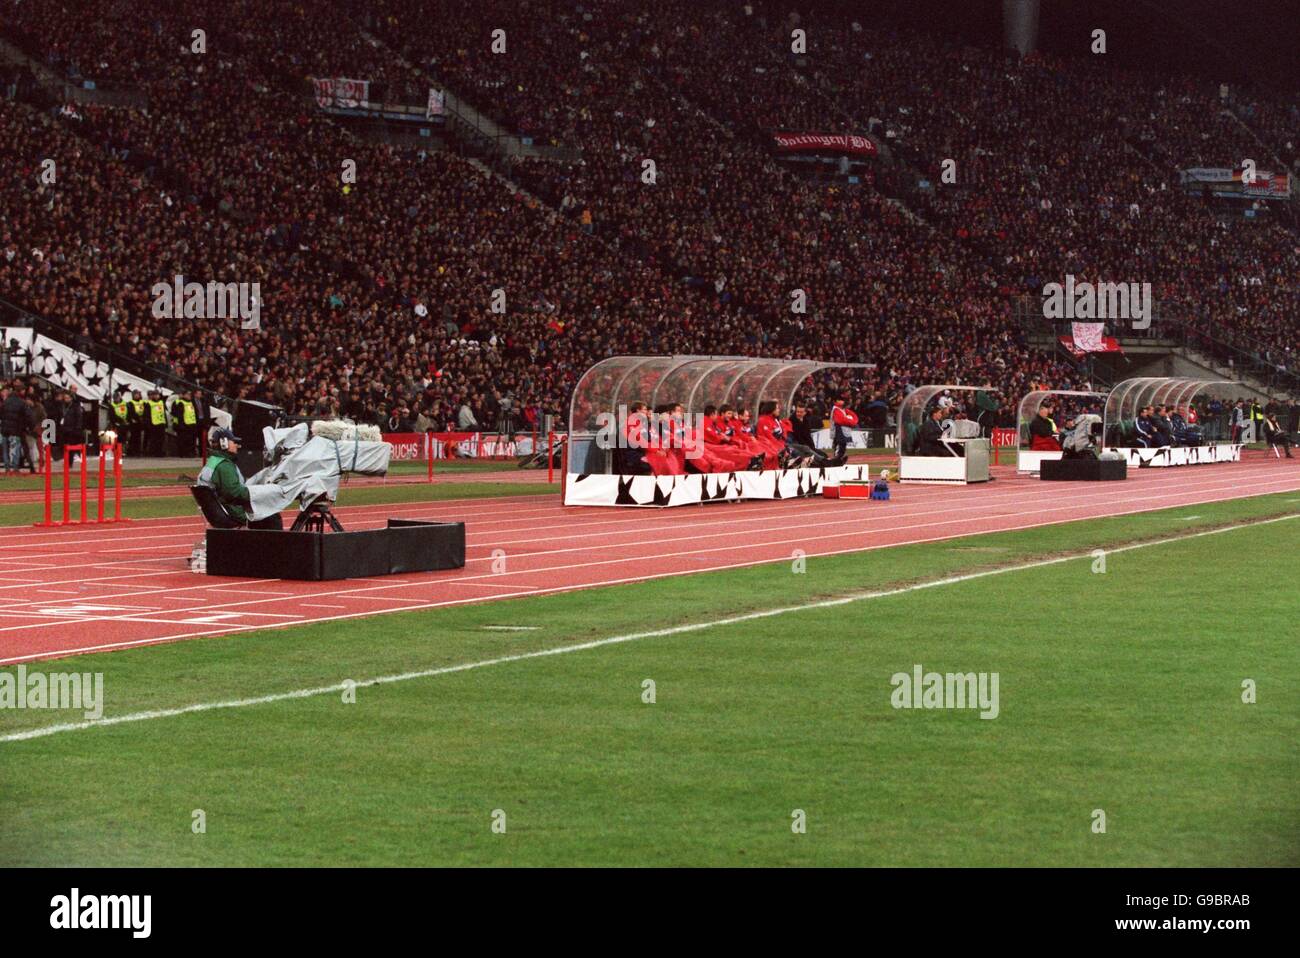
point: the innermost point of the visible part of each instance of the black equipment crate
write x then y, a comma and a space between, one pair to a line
406, 545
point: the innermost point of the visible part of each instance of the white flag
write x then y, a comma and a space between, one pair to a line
1087, 337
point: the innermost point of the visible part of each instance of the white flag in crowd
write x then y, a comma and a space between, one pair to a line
1087, 337
435, 103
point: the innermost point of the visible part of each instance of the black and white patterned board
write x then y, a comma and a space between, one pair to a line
1180, 455
658, 491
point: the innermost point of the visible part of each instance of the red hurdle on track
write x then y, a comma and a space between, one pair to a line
101, 483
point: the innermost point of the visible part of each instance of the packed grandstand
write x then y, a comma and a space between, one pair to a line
379, 293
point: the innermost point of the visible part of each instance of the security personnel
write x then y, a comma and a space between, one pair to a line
136, 419
184, 419
156, 423
121, 421
222, 475
1257, 419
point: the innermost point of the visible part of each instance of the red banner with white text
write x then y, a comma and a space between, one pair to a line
825, 143
340, 92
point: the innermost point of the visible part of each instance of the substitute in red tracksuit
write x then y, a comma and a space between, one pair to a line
769, 433
743, 434
659, 452
733, 428
636, 437
842, 420
703, 457
720, 445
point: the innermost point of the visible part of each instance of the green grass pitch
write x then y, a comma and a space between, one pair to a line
1119, 692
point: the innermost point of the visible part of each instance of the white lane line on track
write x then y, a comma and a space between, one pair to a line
800, 518
247, 591
533, 591
800, 541
484, 512
610, 640
189, 525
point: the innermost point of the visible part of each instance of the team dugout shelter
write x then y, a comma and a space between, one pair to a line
1067, 405
1194, 430
949, 450
607, 392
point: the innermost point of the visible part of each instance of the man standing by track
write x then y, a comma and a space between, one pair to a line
136, 415
155, 423
842, 420
13, 424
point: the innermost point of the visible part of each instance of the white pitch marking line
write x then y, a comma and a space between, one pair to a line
611, 640
513, 628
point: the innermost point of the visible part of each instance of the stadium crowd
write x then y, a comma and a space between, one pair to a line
380, 297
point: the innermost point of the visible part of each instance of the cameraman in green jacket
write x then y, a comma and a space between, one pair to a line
222, 475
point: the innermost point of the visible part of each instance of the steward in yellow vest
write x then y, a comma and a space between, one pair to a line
135, 416
184, 418
156, 425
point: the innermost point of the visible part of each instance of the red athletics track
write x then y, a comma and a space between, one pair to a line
79, 589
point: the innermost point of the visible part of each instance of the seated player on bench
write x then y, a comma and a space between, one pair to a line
1148, 436
800, 454
930, 441
1042, 431
770, 432
632, 458
1164, 428
1185, 432
1276, 436
720, 443
221, 475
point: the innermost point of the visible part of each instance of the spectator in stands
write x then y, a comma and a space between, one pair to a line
466, 421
